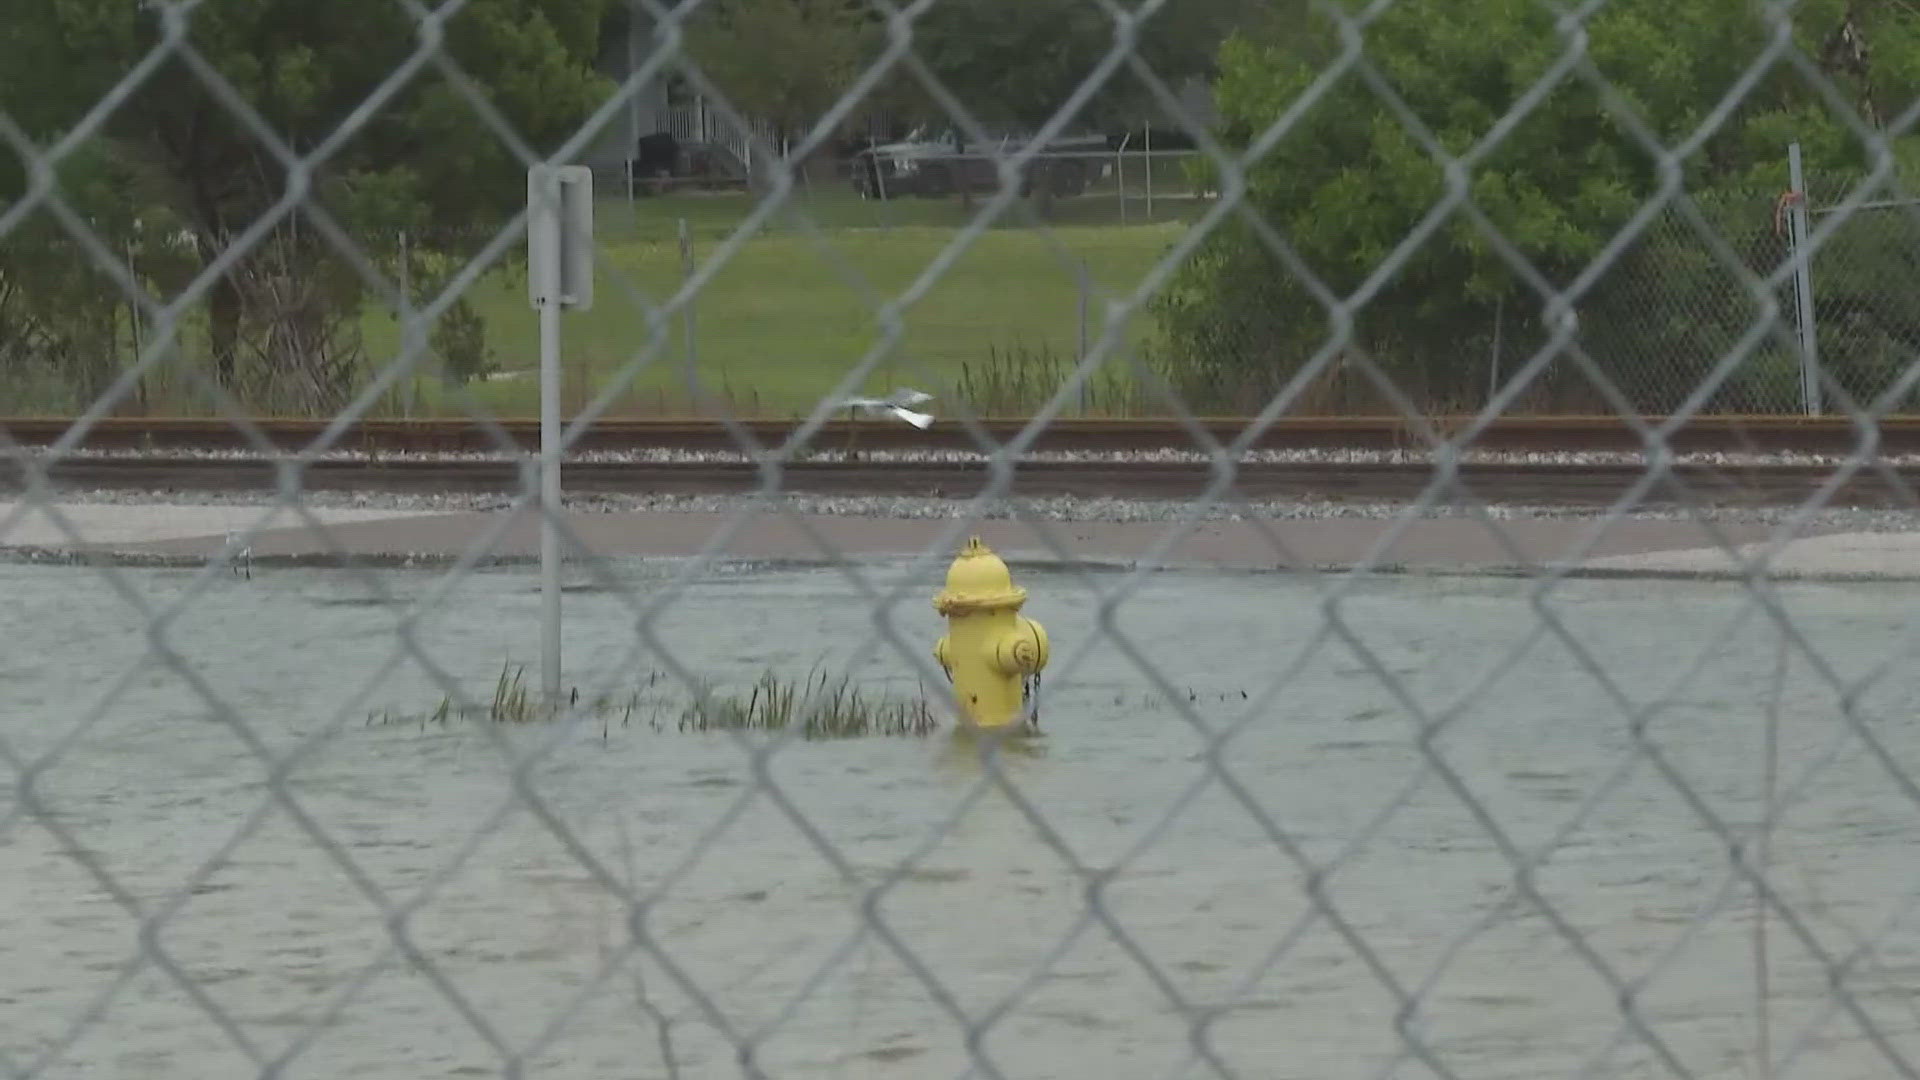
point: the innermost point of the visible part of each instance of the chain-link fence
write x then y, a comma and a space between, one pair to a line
1863, 287
276, 798
1675, 300
1658, 320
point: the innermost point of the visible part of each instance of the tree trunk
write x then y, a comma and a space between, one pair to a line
223, 317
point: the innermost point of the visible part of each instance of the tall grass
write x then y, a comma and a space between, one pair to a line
1018, 380
820, 705
513, 702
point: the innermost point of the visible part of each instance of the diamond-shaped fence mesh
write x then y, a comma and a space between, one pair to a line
1430, 757
1863, 282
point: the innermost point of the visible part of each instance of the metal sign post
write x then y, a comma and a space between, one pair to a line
1803, 285
559, 276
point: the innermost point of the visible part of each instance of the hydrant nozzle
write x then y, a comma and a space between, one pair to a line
990, 650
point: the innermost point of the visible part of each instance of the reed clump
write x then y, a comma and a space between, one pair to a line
1019, 380
514, 702
821, 705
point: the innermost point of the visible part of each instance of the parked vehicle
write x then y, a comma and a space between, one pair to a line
940, 162
662, 162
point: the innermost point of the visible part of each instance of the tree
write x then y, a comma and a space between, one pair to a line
789, 61
1349, 182
1022, 60
423, 159
783, 61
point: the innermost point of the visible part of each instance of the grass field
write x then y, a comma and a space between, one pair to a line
831, 205
783, 319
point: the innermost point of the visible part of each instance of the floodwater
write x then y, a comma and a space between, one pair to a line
1411, 955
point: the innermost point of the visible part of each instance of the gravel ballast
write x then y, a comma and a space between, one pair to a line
1063, 508
1157, 456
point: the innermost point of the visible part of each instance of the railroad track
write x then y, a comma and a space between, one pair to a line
1716, 434
1590, 485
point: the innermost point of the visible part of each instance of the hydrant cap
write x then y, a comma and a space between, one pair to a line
978, 580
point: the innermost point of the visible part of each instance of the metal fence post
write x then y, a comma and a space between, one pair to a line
411, 379
559, 275
1803, 285
550, 497
1493, 360
1080, 279
686, 313
1149, 160
133, 310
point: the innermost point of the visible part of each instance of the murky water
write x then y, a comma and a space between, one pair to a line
982, 938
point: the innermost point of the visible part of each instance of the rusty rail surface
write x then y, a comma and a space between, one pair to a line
1532, 484
1763, 434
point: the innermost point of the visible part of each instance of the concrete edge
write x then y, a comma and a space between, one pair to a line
21, 554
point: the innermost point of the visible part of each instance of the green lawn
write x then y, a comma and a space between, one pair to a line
789, 314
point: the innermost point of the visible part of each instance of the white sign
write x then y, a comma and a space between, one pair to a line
560, 236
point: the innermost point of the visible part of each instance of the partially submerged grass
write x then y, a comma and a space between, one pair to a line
513, 702
820, 705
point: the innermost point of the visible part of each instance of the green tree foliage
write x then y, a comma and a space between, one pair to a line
420, 156
783, 61
57, 339
790, 61
1022, 60
1350, 182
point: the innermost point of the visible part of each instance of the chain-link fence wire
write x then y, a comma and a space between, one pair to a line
268, 284
305, 352
1659, 318
1863, 281
1656, 320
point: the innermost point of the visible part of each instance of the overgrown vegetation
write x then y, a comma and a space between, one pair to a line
173, 178
777, 326
1017, 381
820, 705
1352, 181
788, 62
178, 184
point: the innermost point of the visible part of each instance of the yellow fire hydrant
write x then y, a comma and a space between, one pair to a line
990, 650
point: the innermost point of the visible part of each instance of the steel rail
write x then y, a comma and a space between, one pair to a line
1729, 434
1537, 484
